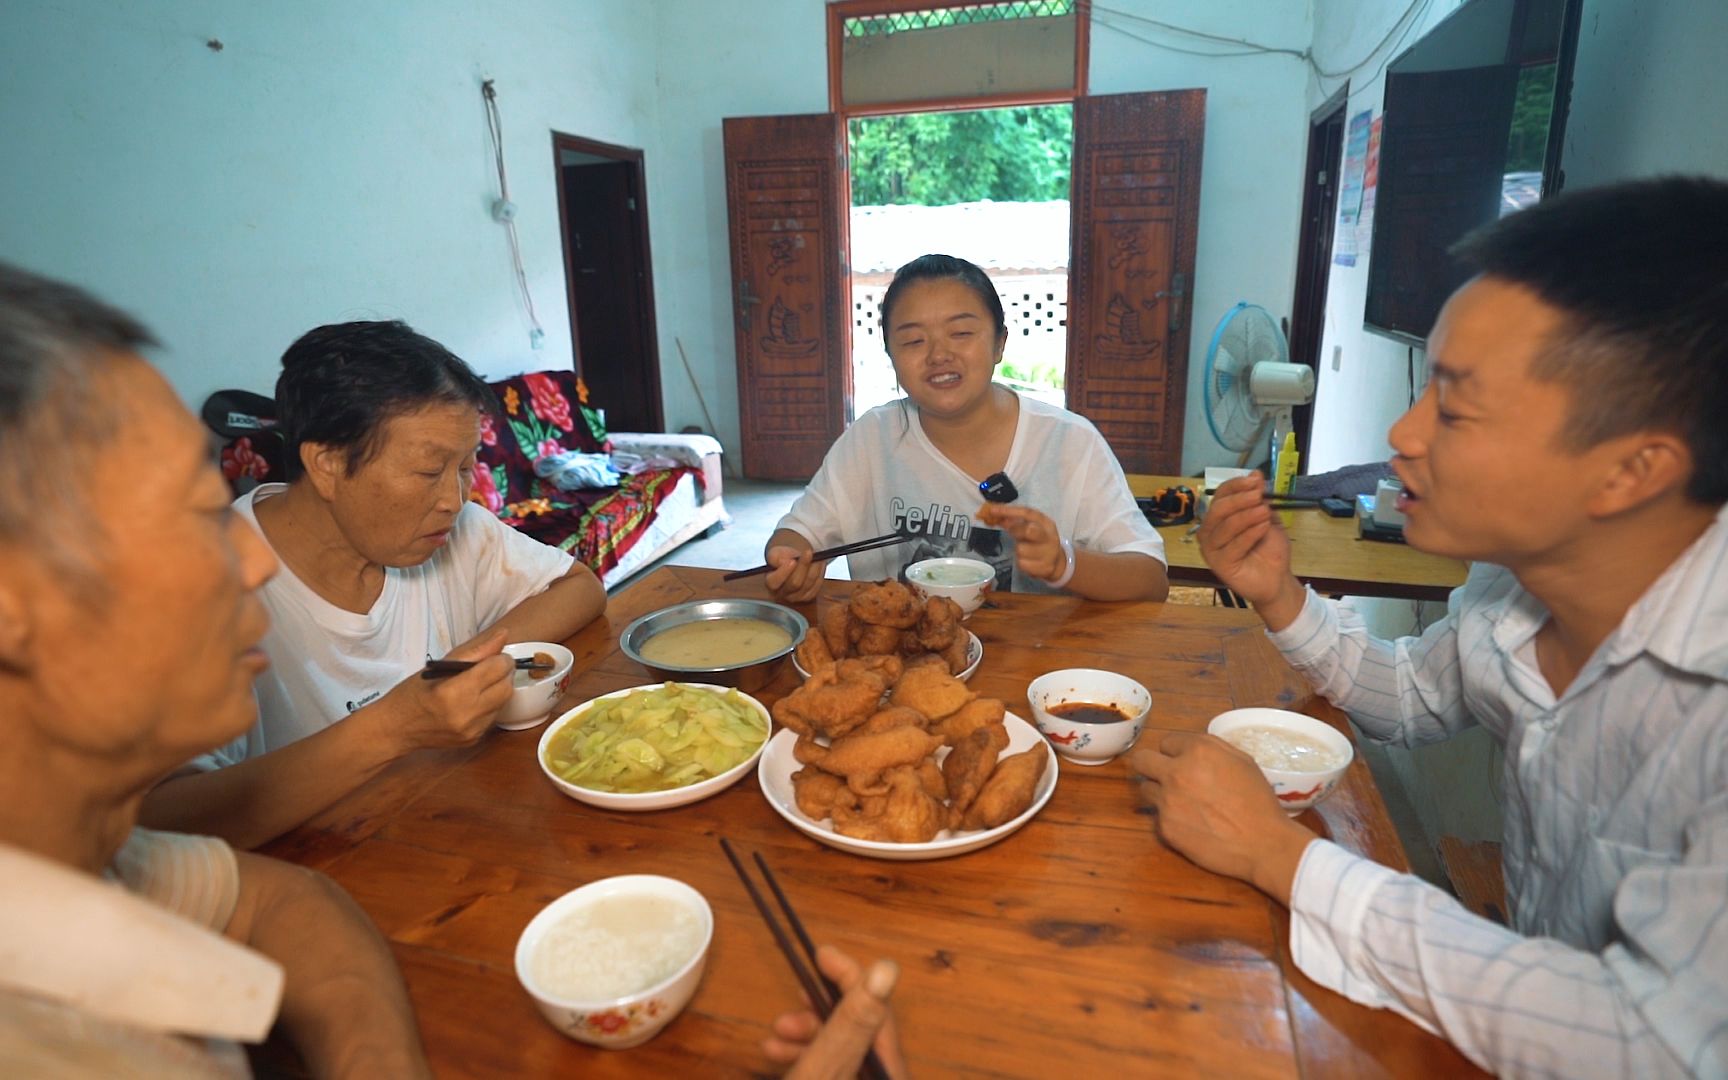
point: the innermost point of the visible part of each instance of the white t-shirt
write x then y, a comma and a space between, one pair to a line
884, 475
326, 662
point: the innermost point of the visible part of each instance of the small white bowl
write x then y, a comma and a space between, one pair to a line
1296, 791
621, 1022
974, 578
1083, 743
532, 700
651, 800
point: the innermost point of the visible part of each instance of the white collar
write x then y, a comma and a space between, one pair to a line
93, 946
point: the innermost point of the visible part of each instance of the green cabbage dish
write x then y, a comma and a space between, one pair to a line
656, 740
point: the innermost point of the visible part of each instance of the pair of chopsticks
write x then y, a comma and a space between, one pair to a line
823, 994
437, 669
885, 540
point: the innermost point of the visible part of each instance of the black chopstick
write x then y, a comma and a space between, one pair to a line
824, 995
885, 540
437, 669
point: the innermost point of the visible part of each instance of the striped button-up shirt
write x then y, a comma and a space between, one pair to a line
1616, 845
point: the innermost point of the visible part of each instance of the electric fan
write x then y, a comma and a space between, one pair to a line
1250, 383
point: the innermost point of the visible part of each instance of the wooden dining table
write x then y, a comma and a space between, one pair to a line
1326, 552
1077, 946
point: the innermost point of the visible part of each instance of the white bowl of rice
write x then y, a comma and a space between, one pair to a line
1301, 757
613, 962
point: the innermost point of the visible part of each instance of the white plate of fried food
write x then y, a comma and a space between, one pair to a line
886, 618
892, 760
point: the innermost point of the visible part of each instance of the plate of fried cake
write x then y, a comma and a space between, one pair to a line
897, 759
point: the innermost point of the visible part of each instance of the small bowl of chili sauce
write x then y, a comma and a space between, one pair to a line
1089, 715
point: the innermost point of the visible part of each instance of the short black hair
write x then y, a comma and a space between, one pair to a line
340, 384
54, 340
1639, 273
942, 268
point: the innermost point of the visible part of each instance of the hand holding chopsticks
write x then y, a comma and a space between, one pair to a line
851, 1022
885, 540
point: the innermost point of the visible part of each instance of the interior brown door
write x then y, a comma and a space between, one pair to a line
786, 197
614, 333
1136, 209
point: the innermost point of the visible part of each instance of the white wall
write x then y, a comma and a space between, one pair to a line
330, 162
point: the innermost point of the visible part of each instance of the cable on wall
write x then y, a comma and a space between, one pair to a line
504, 211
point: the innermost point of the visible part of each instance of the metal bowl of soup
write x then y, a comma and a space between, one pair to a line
738, 643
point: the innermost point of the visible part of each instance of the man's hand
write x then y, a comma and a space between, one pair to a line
795, 579
1242, 542
451, 711
861, 1022
1214, 806
1037, 541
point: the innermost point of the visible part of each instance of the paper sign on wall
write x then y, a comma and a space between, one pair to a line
1345, 244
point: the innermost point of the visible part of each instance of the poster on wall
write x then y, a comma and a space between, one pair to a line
1344, 244
1370, 181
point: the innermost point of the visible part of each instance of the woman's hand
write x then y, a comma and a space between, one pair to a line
1037, 542
795, 579
452, 711
861, 1022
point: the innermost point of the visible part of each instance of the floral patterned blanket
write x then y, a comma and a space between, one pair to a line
545, 413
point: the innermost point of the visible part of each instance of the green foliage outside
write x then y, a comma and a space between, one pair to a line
1038, 374
1528, 140
938, 159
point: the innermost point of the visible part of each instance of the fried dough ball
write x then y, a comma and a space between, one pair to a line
890, 718
909, 815
930, 775
958, 654
886, 603
832, 701
931, 690
863, 759
1009, 790
878, 641
812, 653
970, 764
835, 624
816, 792
977, 713
886, 669
938, 626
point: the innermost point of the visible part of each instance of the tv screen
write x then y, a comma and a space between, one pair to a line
1474, 116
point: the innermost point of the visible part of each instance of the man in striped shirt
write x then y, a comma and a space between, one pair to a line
1571, 442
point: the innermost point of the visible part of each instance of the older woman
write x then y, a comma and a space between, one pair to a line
385, 564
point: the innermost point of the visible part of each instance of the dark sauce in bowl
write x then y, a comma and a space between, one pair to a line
1085, 712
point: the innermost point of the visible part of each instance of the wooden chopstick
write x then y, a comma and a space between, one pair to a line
885, 540
824, 995
437, 669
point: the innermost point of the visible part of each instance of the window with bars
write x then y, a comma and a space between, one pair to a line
891, 53
877, 25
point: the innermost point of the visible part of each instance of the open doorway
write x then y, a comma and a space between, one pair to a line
988, 185
603, 217
1320, 185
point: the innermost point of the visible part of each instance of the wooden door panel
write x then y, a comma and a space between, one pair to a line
785, 191
1135, 212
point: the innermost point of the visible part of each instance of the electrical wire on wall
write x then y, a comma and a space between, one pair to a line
1114, 19
504, 211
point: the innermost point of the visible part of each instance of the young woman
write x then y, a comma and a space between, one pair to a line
915, 466
385, 564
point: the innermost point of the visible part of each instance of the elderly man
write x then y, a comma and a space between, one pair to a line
1570, 442
129, 631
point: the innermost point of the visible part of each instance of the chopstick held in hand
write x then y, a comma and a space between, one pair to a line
885, 540
824, 995
437, 669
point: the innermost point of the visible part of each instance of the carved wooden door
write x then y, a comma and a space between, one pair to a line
786, 196
1136, 210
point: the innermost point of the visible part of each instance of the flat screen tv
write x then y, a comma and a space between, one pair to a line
1475, 114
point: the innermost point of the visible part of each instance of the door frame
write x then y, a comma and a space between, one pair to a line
647, 332
1307, 328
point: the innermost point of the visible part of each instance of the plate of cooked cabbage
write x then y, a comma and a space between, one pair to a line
654, 747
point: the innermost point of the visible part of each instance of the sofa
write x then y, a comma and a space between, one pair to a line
617, 530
